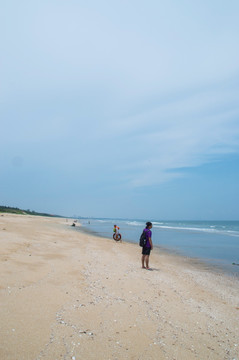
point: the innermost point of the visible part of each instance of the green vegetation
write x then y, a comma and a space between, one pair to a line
15, 210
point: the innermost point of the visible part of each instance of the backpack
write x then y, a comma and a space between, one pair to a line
142, 240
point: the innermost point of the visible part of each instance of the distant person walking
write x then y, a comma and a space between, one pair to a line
148, 246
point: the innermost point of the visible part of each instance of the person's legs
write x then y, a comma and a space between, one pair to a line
147, 261
143, 257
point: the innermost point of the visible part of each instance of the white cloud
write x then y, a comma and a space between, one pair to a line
182, 134
74, 74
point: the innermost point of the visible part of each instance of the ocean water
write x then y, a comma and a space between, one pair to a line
215, 242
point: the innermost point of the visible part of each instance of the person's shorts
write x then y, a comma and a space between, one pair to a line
146, 250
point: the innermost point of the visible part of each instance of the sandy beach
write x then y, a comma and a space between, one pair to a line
69, 295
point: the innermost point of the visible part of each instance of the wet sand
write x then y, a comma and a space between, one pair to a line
69, 295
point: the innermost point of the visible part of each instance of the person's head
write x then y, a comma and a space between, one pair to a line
149, 225
114, 225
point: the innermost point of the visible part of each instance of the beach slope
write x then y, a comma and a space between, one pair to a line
69, 295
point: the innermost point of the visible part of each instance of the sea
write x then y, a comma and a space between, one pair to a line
212, 242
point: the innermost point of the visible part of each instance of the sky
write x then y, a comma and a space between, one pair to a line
125, 109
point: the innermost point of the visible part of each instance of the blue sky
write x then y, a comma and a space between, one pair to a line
120, 108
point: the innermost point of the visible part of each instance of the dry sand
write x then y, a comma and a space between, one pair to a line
69, 295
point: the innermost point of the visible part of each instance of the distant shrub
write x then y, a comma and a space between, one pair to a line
15, 210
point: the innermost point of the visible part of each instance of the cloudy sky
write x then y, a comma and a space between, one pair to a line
120, 108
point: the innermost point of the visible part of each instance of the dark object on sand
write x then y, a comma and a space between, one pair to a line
73, 224
235, 264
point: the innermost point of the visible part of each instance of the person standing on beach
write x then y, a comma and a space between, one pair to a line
148, 246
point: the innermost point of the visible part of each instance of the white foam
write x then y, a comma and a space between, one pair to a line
134, 223
208, 230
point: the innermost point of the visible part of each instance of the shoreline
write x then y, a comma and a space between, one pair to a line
203, 263
67, 295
